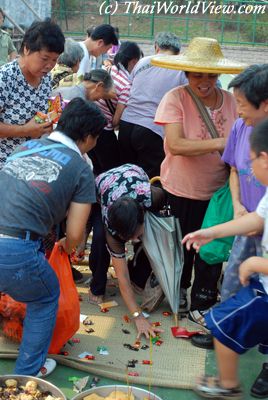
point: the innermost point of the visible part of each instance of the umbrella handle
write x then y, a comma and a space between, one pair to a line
155, 179
176, 319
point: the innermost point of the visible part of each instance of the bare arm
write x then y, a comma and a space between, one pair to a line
117, 115
142, 325
246, 224
252, 265
239, 209
180, 146
30, 129
75, 225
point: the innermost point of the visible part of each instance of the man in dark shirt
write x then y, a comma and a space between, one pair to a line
46, 179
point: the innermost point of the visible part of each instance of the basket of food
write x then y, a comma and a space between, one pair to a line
21, 387
116, 392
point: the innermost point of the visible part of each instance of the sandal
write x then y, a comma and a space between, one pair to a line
209, 387
93, 299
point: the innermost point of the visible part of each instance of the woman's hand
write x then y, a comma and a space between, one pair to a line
145, 328
35, 130
197, 239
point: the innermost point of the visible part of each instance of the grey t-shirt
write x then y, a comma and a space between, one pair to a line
36, 190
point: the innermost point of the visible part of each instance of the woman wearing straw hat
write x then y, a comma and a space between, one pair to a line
192, 169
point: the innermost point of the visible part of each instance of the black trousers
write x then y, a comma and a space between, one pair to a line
99, 258
141, 146
105, 154
204, 290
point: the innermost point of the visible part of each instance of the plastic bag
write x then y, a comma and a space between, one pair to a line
220, 210
12, 315
12, 312
68, 317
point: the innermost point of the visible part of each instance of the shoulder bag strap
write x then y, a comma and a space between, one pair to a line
110, 106
35, 150
204, 113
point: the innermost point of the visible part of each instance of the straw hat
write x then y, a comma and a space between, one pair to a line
202, 55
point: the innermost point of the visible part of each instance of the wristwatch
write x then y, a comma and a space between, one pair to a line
136, 314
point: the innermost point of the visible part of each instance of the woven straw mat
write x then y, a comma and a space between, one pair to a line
176, 363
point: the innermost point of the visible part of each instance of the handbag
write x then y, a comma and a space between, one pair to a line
220, 208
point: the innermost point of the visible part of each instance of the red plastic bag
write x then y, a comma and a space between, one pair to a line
68, 317
12, 314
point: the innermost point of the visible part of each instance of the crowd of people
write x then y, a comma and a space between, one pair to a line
128, 119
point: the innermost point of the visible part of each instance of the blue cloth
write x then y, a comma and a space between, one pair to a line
26, 275
241, 322
243, 248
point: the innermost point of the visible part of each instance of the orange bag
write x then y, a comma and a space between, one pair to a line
68, 317
12, 314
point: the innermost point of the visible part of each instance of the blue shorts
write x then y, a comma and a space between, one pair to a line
241, 322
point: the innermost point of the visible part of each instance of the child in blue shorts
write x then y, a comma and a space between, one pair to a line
241, 322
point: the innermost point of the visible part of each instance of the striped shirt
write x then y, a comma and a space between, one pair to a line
122, 86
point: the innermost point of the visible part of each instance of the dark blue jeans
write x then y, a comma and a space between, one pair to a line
26, 276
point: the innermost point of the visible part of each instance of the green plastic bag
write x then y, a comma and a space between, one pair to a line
220, 210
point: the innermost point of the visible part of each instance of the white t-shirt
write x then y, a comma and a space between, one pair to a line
262, 211
87, 63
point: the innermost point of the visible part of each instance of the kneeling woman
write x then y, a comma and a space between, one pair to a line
125, 193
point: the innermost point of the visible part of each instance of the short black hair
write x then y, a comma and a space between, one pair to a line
127, 52
81, 118
259, 138
43, 35
253, 83
105, 32
124, 217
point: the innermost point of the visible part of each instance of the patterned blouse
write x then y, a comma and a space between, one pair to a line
126, 180
19, 102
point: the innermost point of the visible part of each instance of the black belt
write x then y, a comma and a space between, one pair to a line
19, 233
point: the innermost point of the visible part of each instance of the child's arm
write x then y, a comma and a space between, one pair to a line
241, 226
250, 266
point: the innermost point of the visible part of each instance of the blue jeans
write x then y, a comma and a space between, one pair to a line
26, 276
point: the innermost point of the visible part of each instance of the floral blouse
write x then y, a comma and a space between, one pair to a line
126, 180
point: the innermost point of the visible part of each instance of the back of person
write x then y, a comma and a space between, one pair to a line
43, 182
149, 84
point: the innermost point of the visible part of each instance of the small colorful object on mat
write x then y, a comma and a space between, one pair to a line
159, 342
126, 319
147, 362
105, 310
133, 373
90, 357
137, 344
89, 330
130, 347
125, 331
88, 321
75, 340
166, 313
63, 353
155, 339
155, 324
144, 347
